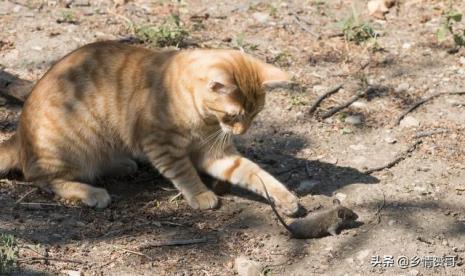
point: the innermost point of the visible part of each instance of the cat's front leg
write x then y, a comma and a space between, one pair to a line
181, 171
241, 171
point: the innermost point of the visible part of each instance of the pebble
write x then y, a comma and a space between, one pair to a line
72, 272
353, 120
409, 121
390, 140
363, 254
260, 17
413, 272
462, 60
358, 104
402, 87
246, 267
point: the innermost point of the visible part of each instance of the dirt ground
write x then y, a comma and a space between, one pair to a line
413, 211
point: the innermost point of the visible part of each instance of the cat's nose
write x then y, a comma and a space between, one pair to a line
239, 128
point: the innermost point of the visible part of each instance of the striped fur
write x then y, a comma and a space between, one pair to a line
106, 104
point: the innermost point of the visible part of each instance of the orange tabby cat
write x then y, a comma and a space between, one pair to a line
106, 103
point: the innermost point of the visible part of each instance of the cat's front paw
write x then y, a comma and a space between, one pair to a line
288, 204
97, 197
203, 201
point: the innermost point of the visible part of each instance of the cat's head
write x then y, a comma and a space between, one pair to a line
235, 89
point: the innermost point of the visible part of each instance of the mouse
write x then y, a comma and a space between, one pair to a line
316, 224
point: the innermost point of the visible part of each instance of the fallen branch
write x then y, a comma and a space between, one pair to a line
173, 243
394, 162
324, 96
427, 133
422, 101
348, 103
25, 260
304, 26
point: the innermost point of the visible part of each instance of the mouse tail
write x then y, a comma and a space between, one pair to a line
273, 206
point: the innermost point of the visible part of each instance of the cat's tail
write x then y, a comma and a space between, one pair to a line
9, 155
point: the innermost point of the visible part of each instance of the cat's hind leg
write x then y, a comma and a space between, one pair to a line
72, 190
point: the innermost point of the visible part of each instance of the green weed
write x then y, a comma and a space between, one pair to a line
355, 30
170, 33
8, 253
448, 26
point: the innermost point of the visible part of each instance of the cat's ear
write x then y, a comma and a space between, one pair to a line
220, 87
273, 77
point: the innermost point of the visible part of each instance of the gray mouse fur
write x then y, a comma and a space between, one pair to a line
317, 224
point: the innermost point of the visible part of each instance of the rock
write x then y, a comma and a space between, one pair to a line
246, 267
391, 222
413, 272
361, 256
306, 186
409, 121
353, 120
390, 140
261, 17
300, 115
407, 45
72, 272
402, 87
340, 196
358, 104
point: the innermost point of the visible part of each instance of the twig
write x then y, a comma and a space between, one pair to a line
322, 97
25, 195
427, 133
422, 101
24, 260
39, 203
348, 103
136, 253
303, 26
380, 208
392, 163
173, 243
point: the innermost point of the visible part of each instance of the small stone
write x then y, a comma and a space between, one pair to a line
72, 272
306, 186
390, 140
402, 87
407, 45
246, 267
350, 260
300, 115
319, 89
353, 120
413, 272
260, 17
363, 254
358, 104
391, 222
409, 121
462, 60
